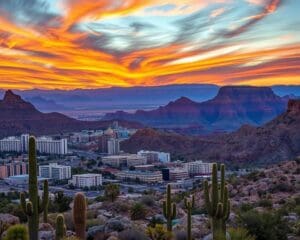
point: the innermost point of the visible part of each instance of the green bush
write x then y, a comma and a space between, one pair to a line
265, 226
240, 234
138, 211
266, 203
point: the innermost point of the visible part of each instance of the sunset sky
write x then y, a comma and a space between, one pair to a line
69, 44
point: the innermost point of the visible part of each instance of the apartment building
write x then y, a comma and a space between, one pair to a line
55, 171
86, 180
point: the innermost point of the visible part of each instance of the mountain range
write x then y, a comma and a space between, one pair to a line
277, 140
231, 108
118, 98
18, 116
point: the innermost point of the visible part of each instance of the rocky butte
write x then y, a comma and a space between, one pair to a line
231, 108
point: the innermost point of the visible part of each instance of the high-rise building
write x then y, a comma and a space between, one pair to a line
86, 180
10, 144
49, 146
113, 146
43, 145
55, 171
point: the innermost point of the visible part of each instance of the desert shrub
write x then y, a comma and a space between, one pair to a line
266, 203
244, 207
156, 220
148, 200
121, 207
240, 234
131, 234
281, 187
93, 222
265, 226
138, 211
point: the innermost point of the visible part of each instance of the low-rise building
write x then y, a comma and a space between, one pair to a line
13, 168
147, 167
124, 160
198, 168
55, 171
21, 180
147, 177
86, 180
174, 174
154, 156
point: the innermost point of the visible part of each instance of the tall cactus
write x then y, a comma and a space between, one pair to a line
79, 215
17, 232
189, 205
34, 206
217, 203
169, 209
60, 231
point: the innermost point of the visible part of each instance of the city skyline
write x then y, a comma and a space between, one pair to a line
92, 44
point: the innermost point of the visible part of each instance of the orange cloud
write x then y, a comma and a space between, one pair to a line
57, 57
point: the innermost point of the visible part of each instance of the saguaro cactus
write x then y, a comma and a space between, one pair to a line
189, 205
217, 203
60, 231
34, 206
79, 215
17, 232
169, 209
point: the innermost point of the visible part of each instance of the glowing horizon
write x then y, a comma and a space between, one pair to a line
69, 44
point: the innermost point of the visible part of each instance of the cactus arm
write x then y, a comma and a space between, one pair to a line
40, 205
207, 198
219, 212
23, 201
193, 201
45, 201
165, 209
215, 189
186, 203
60, 227
222, 183
29, 209
227, 213
174, 211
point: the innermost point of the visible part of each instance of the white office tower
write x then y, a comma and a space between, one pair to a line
49, 146
198, 168
87, 180
24, 142
55, 171
10, 144
154, 156
113, 146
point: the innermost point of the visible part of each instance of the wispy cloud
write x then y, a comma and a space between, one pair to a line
87, 44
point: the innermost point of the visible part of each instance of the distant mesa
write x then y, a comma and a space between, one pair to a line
275, 141
18, 116
233, 107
